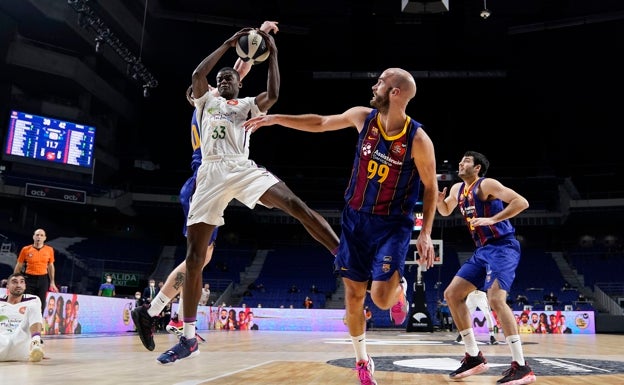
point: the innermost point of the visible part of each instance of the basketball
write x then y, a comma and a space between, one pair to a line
252, 48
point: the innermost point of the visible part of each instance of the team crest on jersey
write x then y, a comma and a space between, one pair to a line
374, 131
385, 267
366, 149
22, 310
397, 149
232, 102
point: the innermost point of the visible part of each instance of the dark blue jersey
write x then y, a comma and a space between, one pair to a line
471, 206
384, 179
187, 190
195, 143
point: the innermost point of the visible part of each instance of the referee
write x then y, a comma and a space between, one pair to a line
39, 262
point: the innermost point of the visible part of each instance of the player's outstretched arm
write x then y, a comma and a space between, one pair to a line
353, 117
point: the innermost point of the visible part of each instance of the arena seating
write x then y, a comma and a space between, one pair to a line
302, 267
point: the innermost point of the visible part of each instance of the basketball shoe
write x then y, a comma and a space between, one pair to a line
145, 325
175, 327
518, 375
185, 348
470, 365
398, 312
365, 371
36, 351
493, 340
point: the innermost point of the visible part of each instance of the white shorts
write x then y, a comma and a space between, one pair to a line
220, 179
16, 345
477, 299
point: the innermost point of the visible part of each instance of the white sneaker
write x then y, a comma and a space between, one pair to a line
36, 351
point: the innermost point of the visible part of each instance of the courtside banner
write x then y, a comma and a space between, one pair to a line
552, 322
55, 193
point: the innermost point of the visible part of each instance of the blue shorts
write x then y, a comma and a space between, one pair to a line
496, 260
186, 193
372, 246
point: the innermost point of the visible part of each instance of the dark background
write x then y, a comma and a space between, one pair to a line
536, 86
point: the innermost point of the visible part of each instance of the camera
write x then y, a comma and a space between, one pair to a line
485, 14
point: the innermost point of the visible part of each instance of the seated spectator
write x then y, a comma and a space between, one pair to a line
314, 289
293, 289
581, 298
521, 299
307, 303
138, 300
550, 297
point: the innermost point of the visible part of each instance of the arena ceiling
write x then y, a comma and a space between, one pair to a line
534, 71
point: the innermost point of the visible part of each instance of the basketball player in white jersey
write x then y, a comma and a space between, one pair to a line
478, 299
21, 323
227, 173
144, 317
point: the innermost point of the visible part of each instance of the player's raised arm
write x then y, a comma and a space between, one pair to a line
199, 78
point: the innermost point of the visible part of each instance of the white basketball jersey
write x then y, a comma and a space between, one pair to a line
221, 124
12, 315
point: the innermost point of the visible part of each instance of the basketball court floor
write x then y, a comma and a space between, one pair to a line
320, 358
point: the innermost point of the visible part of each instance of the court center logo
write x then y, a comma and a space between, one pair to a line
542, 366
425, 364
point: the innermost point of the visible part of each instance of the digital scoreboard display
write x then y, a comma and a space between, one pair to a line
38, 140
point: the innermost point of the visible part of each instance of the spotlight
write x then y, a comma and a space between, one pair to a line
98, 43
486, 12
146, 91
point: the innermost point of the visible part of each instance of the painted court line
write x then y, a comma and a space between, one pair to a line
197, 382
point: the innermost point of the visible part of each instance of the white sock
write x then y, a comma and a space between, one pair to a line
359, 345
158, 304
470, 343
516, 349
189, 330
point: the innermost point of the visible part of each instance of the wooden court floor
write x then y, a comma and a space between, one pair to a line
320, 358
